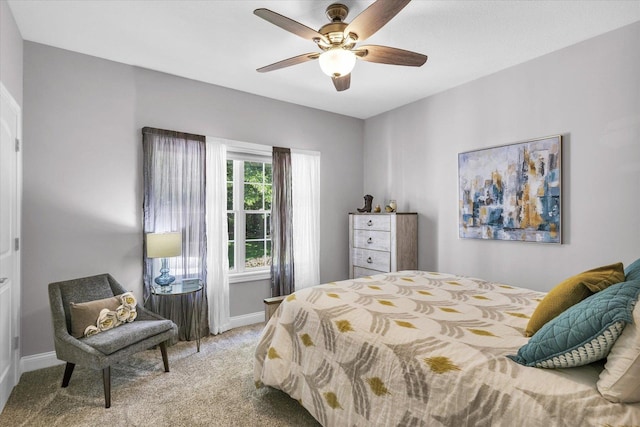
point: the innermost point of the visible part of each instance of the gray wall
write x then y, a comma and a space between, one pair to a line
11, 48
590, 93
83, 180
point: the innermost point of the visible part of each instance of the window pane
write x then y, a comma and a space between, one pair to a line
229, 196
229, 185
253, 172
267, 173
267, 197
255, 254
229, 170
231, 225
269, 251
253, 197
232, 258
255, 226
268, 226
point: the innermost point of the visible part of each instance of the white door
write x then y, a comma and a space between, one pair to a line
10, 170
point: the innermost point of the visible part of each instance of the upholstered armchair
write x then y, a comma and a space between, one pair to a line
101, 350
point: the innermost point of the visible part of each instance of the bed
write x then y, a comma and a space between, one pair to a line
417, 348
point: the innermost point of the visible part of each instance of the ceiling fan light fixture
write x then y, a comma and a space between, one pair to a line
337, 40
337, 62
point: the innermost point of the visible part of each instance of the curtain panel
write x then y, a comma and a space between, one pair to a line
217, 237
282, 261
305, 180
174, 171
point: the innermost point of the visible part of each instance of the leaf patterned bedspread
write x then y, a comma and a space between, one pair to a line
418, 348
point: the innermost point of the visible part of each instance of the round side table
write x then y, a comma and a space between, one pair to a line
183, 287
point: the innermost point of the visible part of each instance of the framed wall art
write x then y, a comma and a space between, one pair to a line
512, 192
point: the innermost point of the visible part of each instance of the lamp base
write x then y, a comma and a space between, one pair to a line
164, 279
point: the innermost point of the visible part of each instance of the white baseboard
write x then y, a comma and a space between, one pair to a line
247, 319
39, 361
46, 360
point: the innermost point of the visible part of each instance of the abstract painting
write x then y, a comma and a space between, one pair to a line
512, 192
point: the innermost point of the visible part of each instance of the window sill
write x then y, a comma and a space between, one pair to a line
249, 276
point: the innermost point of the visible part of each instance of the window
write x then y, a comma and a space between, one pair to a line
249, 213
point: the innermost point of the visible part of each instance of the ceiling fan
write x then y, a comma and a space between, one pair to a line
337, 40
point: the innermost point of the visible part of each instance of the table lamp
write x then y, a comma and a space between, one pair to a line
164, 245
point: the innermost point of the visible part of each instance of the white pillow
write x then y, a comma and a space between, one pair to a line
620, 379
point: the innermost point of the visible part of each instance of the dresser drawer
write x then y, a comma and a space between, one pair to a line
373, 260
372, 222
374, 240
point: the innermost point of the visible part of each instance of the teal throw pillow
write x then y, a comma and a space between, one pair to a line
632, 272
583, 333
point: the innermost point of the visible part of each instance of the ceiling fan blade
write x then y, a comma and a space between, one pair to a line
290, 25
374, 17
390, 55
342, 83
289, 62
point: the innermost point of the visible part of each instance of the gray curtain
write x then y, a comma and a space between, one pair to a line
174, 200
282, 272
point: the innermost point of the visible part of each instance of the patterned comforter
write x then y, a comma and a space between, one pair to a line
423, 349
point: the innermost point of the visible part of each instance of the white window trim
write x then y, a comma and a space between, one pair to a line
237, 150
249, 276
247, 148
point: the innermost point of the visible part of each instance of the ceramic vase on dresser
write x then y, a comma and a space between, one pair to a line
382, 242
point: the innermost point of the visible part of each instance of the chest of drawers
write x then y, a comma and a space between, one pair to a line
381, 243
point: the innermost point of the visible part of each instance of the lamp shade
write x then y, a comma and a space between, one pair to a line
164, 245
337, 62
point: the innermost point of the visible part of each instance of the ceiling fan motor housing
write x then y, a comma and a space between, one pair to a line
337, 12
334, 31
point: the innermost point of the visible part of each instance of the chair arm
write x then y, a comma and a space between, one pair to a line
69, 348
66, 343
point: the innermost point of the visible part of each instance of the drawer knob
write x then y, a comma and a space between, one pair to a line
369, 240
369, 260
369, 223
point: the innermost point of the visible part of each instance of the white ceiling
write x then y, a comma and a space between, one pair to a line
223, 42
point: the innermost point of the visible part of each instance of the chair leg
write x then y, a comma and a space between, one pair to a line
106, 380
68, 370
165, 359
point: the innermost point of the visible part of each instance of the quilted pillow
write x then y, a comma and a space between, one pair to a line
85, 314
632, 272
584, 333
620, 379
571, 291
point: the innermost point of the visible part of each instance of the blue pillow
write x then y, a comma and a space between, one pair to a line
583, 333
632, 272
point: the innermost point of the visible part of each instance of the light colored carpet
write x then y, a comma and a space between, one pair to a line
212, 388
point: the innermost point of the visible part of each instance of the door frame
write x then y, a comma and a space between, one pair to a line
17, 276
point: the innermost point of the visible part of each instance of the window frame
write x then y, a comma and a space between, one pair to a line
240, 273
